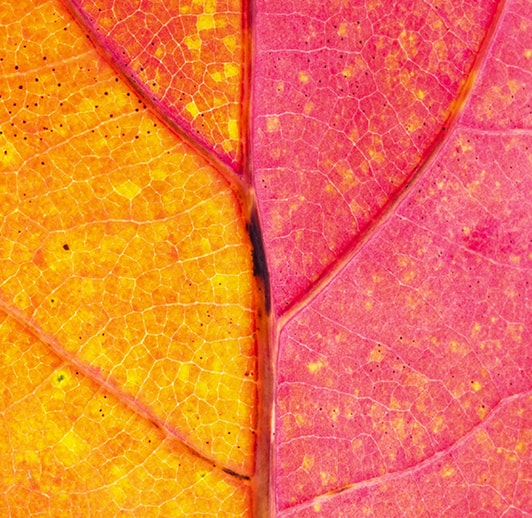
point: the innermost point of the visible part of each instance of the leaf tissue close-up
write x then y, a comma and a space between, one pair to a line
266, 259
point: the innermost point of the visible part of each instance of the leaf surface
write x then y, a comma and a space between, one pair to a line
125, 260
350, 100
388, 178
403, 376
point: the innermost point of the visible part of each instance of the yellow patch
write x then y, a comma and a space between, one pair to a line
308, 462
231, 70
521, 447
127, 189
447, 471
217, 76
61, 378
376, 355
192, 108
409, 276
202, 389
234, 132
438, 423
303, 77
230, 42
209, 6
135, 376
482, 412
192, 42
205, 22
219, 100
227, 145
272, 123
71, 449
327, 478
342, 29
158, 174
183, 372
9, 156
315, 367
476, 386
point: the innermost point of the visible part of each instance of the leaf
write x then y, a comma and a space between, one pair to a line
128, 371
390, 152
393, 163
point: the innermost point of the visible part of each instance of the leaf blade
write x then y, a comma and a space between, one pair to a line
125, 250
424, 320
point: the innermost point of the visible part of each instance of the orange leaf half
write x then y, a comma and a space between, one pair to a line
125, 252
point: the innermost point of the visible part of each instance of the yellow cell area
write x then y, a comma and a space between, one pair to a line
127, 189
234, 129
308, 462
400, 428
447, 471
376, 354
409, 41
192, 109
192, 42
231, 70
342, 29
217, 76
205, 21
315, 367
124, 246
476, 386
308, 108
231, 43
272, 123
327, 479
303, 76
88, 450
438, 424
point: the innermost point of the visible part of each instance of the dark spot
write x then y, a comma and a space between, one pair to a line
66, 247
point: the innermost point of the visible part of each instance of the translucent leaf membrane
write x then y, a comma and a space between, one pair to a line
404, 381
348, 98
70, 448
185, 56
126, 252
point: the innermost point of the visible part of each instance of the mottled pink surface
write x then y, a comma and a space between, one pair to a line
348, 98
404, 378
